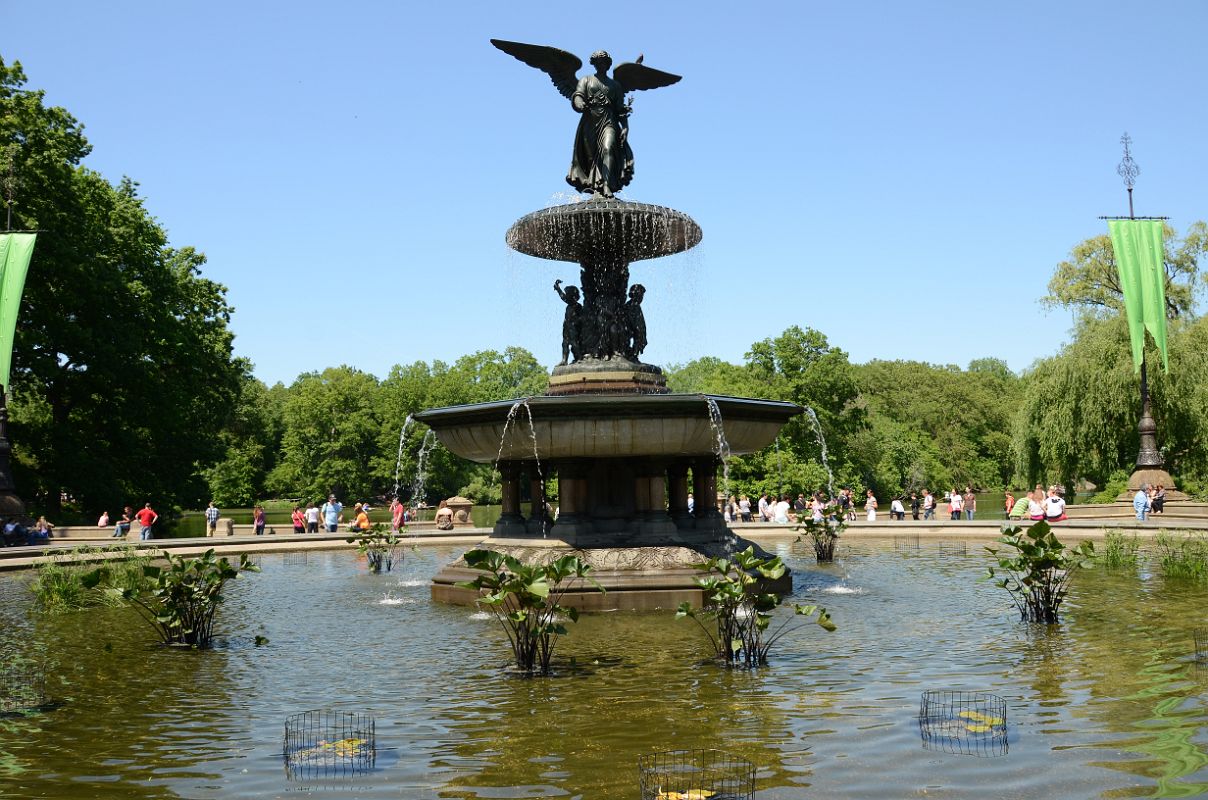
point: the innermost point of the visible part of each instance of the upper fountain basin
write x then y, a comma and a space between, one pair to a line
604, 229
607, 426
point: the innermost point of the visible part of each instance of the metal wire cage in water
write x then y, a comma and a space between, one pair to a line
958, 548
1200, 638
903, 543
295, 558
326, 745
22, 689
969, 723
695, 775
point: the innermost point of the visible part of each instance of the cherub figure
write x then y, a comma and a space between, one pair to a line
571, 323
636, 322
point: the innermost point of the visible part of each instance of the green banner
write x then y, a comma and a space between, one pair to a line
1138, 247
15, 251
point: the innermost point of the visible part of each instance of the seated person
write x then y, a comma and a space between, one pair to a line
15, 534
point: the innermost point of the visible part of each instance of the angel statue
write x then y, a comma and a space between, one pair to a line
602, 162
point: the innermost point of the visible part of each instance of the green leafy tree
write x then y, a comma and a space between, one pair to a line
484, 376
251, 439
1090, 281
331, 432
1078, 417
123, 368
937, 425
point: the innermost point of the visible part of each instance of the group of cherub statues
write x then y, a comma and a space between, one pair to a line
614, 330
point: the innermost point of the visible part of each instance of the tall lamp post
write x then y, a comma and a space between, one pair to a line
1149, 467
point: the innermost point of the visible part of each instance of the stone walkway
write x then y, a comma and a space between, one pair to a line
24, 557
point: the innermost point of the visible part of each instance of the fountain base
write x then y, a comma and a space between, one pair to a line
643, 577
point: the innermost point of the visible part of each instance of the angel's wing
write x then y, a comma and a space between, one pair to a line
634, 76
560, 65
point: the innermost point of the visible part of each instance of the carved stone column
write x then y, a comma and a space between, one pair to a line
511, 521
704, 489
572, 521
677, 494
538, 521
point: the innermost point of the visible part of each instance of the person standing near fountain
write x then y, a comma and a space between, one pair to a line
870, 506
1141, 502
333, 514
146, 520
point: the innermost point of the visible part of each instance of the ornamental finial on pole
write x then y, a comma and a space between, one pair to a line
1128, 169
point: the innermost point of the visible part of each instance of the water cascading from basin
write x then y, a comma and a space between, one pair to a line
817, 426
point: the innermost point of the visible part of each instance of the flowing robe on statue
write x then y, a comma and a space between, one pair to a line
602, 162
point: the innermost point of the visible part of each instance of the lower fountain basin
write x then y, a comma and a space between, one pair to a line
607, 426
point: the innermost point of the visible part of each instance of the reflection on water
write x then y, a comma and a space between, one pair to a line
1109, 704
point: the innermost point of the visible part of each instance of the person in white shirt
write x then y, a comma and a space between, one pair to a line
896, 509
781, 514
870, 506
312, 518
1035, 508
954, 504
1054, 507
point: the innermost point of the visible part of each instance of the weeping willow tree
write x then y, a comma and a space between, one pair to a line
1079, 412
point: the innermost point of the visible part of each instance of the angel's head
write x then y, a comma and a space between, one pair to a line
601, 60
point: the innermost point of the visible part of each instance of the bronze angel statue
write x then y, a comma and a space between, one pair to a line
602, 162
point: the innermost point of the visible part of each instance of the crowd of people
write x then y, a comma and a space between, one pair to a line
1039, 504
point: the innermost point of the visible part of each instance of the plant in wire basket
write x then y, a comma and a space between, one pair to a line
526, 600
1037, 569
823, 533
380, 545
740, 611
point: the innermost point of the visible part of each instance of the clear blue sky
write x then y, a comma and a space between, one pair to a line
901, 176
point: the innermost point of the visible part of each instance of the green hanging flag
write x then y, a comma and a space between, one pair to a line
1139, 260
15, 251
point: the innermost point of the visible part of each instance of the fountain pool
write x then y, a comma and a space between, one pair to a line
1109, 704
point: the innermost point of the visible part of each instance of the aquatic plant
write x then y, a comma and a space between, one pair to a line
1037, 574
380, 546
1120, 550
823, 533
740, 611
72, 579
185, 595
526, 600
1183, 555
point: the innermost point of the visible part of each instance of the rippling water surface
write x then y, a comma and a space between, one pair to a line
1108, 704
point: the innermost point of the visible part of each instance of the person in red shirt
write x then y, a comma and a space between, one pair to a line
146, 519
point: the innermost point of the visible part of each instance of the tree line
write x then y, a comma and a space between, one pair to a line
126, 388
